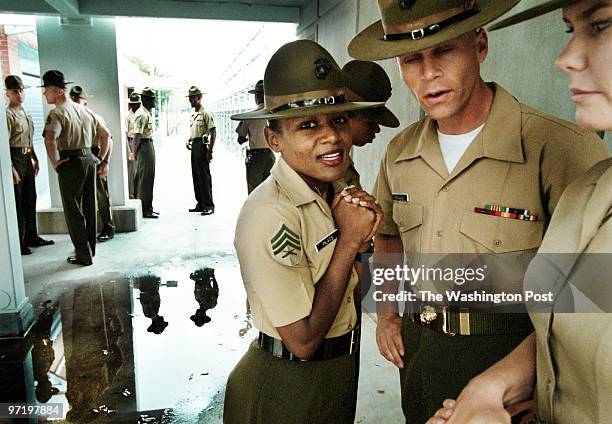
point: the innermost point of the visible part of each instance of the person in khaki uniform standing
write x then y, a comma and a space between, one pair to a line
133, 106
443, 179
25, 165
259, 157
77, 94
143, 152
568, 360
297, 242
203, 134
69, 131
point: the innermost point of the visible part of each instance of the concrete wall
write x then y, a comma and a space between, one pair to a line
521, 58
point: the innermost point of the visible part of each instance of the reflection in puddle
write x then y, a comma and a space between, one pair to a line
127, 350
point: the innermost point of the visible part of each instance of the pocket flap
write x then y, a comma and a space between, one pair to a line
407, 215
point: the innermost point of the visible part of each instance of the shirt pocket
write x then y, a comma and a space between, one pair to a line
486, 233
409, 220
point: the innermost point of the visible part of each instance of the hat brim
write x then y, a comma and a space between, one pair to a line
23, 87
145, 95
67, 83
531, 13
193, 95
255, 91
369, 45
305, 111
133, 103
382, 116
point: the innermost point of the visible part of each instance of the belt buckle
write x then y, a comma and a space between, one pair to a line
446, 322
464, 322
428, 314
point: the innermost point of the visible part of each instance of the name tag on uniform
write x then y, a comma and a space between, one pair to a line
400, 197
327, 240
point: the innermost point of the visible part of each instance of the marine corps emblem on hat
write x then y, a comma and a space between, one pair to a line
194, 91
411, 26
290, 92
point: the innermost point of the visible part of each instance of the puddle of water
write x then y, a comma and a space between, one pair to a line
154, 347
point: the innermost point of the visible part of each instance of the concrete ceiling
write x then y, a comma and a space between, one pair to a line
249, 10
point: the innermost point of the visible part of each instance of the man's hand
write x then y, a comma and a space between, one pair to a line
57, 163
16, 177
36, 167
103, 169
188, 144
131, 157
389, 338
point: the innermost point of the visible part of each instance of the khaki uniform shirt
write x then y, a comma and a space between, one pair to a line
96, 139
143, 123
201, 123
574, 351
129, 123
278, 229
74, 126
254, 132
522, 159
20, 127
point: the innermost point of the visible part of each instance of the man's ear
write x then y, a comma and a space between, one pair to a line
272, 139
482, 44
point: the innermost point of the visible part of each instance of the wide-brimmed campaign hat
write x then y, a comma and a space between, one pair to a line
368, 82
78, 92
14, 82
54, 78
303, 79
134, 99
531, 13
258, 88
194, 91
147, 92
409, 26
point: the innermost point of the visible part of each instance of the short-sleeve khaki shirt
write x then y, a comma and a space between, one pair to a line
201, 123
97, 134
20, 127
279, 228
129, 123
574, 350
143, 123
522, 159
254, 132
73, 125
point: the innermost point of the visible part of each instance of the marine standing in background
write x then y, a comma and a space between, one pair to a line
25, 165
77, 94
201, 142
143, 152
133, 106
69, 131
259, 157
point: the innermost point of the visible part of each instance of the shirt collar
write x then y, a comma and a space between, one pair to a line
296, 189
500, 138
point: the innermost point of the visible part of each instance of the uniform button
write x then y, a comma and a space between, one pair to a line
445, 188
549, 385
348, 299
439, 233
497, 242
350, 326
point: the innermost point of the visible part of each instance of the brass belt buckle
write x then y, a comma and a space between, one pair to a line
428, 314
446, 328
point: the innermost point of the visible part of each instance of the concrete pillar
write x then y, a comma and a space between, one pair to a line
86, 52
16, 313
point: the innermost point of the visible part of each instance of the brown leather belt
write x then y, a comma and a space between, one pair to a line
74, 153
466, 322
22, 150
328, 349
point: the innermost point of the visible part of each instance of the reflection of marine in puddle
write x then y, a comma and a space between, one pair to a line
43, 355
206, 293
150, 301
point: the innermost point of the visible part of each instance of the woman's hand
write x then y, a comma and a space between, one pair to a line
353, 195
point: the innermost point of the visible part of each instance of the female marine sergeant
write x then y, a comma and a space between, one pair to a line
568, 360
296, 243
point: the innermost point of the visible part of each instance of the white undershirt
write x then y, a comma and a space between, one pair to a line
454, 146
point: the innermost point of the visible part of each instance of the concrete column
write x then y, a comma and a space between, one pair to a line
86, 52
16, 313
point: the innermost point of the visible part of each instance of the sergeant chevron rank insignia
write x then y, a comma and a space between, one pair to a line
286, 246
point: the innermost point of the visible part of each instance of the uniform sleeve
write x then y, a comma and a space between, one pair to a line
209, 120
10, 122
567, 159
140, 124
53, 124
382, 193
272, 262
242, 129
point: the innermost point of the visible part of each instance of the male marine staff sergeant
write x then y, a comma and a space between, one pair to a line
25, 165
143, 152
69, 131
203, 134
478, 146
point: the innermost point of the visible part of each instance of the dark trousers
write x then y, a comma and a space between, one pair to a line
200, 173
77, 182
263, 389
25, 197
103, 199
145, 176
131, 168
258, 165
438, 366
